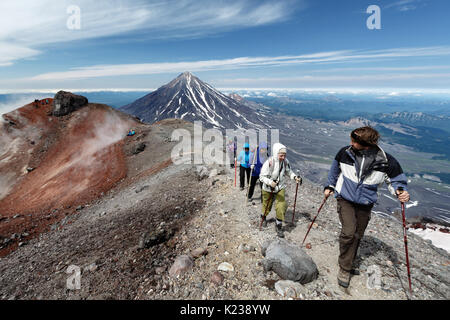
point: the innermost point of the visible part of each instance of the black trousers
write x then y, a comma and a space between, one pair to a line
242, 172
253, 181
354, 220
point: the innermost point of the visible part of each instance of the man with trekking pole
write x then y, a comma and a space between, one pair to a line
405, 239
260, 156
355, 174
272, 176
244, 168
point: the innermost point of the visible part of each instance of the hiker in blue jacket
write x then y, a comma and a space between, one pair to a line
354, 177
261, 156
244, 168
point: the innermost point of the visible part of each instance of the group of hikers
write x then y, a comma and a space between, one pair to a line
37, 102
355, 174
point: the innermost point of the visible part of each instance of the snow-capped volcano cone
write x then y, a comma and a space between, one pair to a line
188, 98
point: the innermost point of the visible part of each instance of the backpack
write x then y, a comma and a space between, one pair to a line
271, 165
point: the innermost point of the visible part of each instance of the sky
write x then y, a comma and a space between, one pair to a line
139, 44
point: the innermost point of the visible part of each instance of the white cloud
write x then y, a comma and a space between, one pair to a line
407, 8
10, 52
420, 82
348, 56
332, 90
404, 5
339, 78
28, 26
409, 68
55, 90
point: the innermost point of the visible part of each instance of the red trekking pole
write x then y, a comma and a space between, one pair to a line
400, 189
295, 201
235, 171
318, 211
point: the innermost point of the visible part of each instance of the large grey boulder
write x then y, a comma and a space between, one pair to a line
67, 102
289, 261
202, 172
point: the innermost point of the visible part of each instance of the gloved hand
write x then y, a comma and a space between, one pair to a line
252, 166
273, 184
298, 180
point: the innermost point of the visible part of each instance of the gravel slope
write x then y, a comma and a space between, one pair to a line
206, 211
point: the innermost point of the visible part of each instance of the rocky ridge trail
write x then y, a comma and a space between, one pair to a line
187, 233
227, 229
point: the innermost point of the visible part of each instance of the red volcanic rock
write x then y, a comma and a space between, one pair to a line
74, 160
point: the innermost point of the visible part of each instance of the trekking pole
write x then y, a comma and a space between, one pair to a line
235, 171
400, 189
295, 201
251, 172
318, 211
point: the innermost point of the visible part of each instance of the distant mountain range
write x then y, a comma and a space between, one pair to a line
188, 98
434, 113
408, 120
414, 119
427, 132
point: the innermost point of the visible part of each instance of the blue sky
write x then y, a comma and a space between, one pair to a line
229, 44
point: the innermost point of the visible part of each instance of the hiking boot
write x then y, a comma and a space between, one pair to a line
264, 224
343, 278
355, 272
278, 229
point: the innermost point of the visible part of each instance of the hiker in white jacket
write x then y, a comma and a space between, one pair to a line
272, 176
